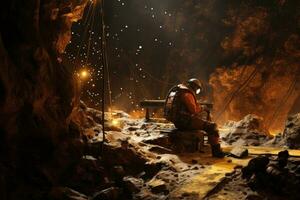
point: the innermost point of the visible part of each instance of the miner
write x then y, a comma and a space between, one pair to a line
184, 111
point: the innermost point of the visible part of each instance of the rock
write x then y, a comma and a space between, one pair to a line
119, 170
112, 193
120, 114
239, 152
85, 173
253, 197
64, 193
258, 164
291, 133
282, 159
157, 186
161, 140
159, 149
37, 92
133, 184
248, 131
194, 161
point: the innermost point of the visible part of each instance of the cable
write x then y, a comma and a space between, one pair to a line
283, 101
90, 35
87, 21
103, 72
237, 91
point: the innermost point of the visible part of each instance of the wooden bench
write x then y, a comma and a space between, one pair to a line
156, 104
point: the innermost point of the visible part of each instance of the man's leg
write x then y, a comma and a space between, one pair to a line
212, 132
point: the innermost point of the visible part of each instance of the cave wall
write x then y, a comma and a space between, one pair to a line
260, 74
36, 90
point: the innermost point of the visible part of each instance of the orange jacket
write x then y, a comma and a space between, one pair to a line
190, 103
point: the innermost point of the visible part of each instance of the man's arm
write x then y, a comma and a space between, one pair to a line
190, 103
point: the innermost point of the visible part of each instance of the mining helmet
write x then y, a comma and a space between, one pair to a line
195, 85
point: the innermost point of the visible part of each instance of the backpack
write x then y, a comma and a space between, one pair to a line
174, 111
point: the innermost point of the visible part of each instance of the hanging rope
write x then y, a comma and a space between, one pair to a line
237, 91
108, 78
283, 101
90, 35
87, 21
103, 70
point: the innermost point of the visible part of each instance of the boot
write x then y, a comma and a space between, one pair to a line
217, 151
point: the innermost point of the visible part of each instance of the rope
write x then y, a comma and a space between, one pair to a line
237, 91
87, 20
103, 71
283, 101
90, 35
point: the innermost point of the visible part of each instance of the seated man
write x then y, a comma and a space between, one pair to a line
183, 110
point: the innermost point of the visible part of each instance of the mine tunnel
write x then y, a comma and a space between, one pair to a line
149, 99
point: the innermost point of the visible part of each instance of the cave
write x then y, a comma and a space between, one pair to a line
87, 91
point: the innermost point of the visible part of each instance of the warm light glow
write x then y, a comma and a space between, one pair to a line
83, 74
275, 132
115, 122
137, 114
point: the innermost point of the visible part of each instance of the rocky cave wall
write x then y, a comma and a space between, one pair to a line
264, 77
36, 90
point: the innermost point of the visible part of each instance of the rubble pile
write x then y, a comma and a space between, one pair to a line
265, 177
248, 131
137, 159
290, 136
278, 176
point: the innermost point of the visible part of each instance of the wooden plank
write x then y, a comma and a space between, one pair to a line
161, 103
152, 103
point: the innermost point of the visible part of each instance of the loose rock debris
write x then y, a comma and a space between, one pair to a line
152, 160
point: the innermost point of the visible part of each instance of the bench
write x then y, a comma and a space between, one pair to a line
156, 104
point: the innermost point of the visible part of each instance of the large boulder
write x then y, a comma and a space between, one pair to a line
291, 134
248, 131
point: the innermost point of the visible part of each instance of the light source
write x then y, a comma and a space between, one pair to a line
84, 74
115, 122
